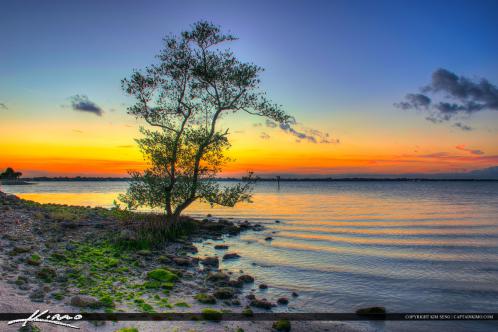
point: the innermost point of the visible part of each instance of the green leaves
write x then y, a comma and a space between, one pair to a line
182, 98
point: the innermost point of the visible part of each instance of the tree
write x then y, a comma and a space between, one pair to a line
197, 81
9, 174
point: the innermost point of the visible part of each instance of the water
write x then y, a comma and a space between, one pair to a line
408, 246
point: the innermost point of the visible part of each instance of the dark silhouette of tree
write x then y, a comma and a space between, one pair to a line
10, 174
197, 81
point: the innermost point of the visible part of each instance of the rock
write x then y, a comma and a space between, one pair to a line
268, 238
85, 301
282, 325
21, 280
235, 283
294, 294
211, 261
205, 298
283, 301
247, 279
37, 295
223, 293
190, 248
20, 249
164, 259
377, 311
217, 276
144, 252
235, 302
263, 304
221, 246
250, 296
46, 274
263, 286
231, 255
127, 235
182, 261
34, 260
70, 247
277, 221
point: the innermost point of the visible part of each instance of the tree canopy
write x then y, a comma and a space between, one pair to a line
10, 174
197, 81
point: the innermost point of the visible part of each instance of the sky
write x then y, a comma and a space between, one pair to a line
357, 71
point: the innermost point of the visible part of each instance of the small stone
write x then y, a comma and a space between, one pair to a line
47, 274
247, 279
263, 286
231, 255
205, 298
268, 238
235, 283
294, 294
283, 301
37, 295
211, 261
83, 301
217, 276
221, 246
277, 221
182, 261
251, 297
223, 293
263, 304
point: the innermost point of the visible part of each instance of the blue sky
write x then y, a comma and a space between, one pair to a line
334, 62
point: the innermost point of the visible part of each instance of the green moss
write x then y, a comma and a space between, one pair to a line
205, 298
211, 314
182, 304
127, 329
34, 259
162, 275
247, 312
282, 325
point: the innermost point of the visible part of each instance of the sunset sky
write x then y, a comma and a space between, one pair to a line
339, 67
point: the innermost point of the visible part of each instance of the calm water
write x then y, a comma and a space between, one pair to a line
408, 246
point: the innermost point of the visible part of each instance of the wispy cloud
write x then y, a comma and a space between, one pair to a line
303, 133
264, 136
3, 106
471, 151
462, 126
83, 104
125, 146
452, 96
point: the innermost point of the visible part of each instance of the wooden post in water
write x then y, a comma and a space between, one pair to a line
278, 182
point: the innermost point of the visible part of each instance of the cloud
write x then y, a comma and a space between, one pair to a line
264, 136
125, 146
83, 104
3, 106
307, 134
78, 131
457, 96
462, 126
471, 151
270, 124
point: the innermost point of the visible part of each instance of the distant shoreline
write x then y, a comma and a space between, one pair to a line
348, 179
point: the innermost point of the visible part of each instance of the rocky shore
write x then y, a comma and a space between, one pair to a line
82, 259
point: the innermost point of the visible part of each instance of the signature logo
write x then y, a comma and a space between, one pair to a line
46, 317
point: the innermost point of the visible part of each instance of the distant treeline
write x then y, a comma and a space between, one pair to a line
83, 179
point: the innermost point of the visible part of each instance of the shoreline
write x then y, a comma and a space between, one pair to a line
68, 257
